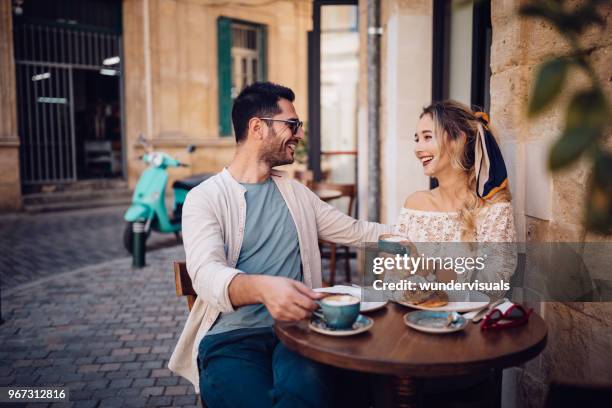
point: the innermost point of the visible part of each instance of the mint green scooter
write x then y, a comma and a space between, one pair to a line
148, 201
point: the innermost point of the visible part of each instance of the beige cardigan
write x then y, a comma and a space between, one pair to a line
213, 226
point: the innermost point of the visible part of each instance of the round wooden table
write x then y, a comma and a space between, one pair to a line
327, 194
392, 348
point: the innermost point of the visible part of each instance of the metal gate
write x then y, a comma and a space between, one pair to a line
45, 58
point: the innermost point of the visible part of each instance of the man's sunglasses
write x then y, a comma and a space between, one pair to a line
294, 125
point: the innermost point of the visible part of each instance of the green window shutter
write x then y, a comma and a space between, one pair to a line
263, 53
224, 72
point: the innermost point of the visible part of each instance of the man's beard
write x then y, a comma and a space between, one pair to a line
273, 154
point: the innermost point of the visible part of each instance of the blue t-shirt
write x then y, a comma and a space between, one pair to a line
270, 247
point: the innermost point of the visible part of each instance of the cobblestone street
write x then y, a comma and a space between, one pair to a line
77, 315
39, 245
105, 331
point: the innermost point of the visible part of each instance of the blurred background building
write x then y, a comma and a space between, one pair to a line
81, 79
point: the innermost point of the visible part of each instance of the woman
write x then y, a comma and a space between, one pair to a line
472, 200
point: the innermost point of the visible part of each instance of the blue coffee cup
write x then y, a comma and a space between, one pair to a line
339, 311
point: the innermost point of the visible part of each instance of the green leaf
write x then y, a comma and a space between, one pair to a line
548, 84
586, 119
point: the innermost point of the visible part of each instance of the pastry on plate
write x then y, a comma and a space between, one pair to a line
426, 298
437, 299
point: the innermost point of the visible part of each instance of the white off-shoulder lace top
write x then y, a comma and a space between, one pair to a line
494, 224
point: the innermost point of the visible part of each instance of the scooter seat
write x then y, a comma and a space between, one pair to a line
191, 182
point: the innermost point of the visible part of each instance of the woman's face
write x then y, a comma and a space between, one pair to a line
427, 149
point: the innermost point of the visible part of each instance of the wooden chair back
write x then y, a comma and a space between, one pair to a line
347, 190
183, 283
307, 176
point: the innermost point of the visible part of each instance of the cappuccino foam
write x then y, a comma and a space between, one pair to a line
340, 300
394, 238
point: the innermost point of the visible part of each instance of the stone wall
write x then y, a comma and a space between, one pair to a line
176, 100
580, 334
10, 187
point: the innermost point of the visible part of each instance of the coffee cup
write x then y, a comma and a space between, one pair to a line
339, 311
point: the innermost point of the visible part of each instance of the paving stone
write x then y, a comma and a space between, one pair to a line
121, 383
86, 404
149, 391
133, 365
135, 402
97, 385
110, 367
83, 341
176, 390
80, 395
184, 400
129, 392
45, 244
111, 403
152, 364
166, 381
143, 382
116, 375
159, 401
161, 372
139, 374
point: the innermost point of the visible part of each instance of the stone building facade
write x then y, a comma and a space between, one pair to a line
548, 207
170, 65
176, 101
10, 186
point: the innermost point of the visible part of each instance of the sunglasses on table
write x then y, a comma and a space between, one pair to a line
294, 125
516, 315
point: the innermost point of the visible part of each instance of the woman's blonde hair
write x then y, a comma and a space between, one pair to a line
457, 129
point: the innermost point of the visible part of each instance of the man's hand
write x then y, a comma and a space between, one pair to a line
285, 299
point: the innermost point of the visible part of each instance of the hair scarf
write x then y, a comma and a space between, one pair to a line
491, 175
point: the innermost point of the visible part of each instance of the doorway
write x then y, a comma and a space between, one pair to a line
333, 75
69, 91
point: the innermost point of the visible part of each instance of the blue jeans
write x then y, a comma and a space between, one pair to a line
252, 368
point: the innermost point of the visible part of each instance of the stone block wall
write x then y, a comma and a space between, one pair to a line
10, 187
580, 334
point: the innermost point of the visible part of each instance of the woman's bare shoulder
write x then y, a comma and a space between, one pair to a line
419, 200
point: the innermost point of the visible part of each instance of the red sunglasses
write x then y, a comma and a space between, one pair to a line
515, 315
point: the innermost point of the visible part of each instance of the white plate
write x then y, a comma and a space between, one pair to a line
353, 291
456, 304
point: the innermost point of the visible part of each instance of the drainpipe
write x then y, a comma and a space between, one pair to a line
147, 68
373, 63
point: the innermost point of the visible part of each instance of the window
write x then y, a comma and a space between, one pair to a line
462, 35
241, 61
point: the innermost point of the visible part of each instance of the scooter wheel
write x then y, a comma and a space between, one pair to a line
128, 237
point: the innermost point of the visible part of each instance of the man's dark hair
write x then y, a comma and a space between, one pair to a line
257, 100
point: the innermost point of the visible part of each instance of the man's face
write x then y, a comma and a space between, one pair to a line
279, 144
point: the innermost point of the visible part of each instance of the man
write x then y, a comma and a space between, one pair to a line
251, 240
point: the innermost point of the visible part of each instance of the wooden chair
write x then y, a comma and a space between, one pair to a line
183, 283
349, 191
184, 288
307, 176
